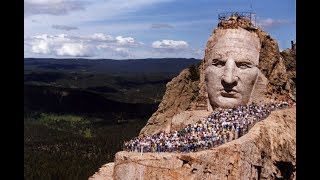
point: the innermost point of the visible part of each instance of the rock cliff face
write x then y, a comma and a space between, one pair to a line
267, 151
289, 56
185, 93
180, 93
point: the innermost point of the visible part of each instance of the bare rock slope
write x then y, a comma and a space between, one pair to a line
181, 91
267, 151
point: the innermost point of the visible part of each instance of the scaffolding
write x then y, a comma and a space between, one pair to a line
248, 15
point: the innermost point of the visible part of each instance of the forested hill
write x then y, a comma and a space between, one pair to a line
78, 112
82, 102
163, 65
128, 81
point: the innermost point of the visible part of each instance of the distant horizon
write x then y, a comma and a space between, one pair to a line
77, 58
101, 58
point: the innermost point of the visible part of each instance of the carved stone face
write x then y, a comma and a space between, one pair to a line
231, 71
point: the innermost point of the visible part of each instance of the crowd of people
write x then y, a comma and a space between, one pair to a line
222, 126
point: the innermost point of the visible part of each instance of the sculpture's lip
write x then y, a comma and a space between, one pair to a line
230, 94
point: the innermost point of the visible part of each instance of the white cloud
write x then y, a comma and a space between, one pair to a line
41, 47
269, 23
43, 44
60, 45
101, 37
98, 9
123, 52
86, 45
74, 49
53, 7
115, 51
170, 44
103, 46
125, 40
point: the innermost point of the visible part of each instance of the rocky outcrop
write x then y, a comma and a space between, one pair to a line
105, 172
289, 56
184, 93
267, 151
180, 93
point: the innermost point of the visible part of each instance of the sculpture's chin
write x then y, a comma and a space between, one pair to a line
227, 102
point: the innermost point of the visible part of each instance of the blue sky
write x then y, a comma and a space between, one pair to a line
124, 29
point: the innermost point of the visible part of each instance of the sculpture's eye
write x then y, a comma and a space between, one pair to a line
243, 65
218, 63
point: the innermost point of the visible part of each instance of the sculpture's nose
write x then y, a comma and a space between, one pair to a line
228, 78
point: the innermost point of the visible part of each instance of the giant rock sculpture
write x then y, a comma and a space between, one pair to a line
241, 65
